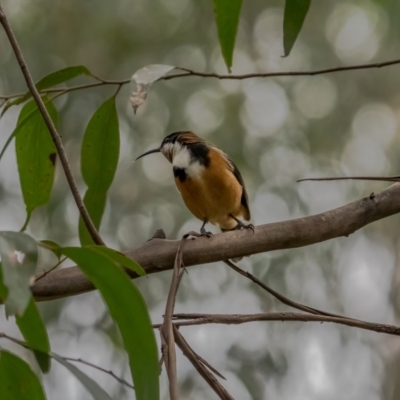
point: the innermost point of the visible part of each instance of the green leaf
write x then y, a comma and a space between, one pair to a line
52, 246
99, 159
3, 287
95, 203
34, 332
119, 258
32, 328
227, 14
53, 79
36, 155
17, 380
22, 120
61, 76
295, 13
92, 387
128, 310
19, 254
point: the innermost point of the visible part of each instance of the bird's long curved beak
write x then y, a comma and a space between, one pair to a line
149, 152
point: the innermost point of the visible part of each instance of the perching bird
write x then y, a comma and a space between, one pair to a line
209, 182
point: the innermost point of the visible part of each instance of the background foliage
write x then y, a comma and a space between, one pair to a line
277, 131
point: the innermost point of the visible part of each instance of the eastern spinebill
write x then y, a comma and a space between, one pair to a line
210, 183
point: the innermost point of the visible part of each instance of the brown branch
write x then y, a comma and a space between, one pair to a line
188, 73
50, 269
236, 319
166, 329
109, 372
200, 367
52, 129
158, 254
357, 178
280, 297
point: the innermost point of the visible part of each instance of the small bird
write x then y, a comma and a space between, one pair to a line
209, 182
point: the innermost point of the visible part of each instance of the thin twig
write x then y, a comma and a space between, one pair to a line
25, 345
235, 319
357, 178
51, 269
200, 367
109, 372
52, 129
277, 295
188, 73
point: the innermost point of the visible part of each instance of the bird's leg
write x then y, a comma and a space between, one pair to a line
241, 225
203, 231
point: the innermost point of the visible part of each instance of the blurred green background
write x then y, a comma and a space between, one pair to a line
277, 130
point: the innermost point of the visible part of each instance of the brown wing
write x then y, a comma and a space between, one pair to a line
245, 199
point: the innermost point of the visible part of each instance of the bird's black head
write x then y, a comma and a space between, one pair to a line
172, 143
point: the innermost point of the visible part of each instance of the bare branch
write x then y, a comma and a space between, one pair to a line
188, 73
50, 269
200, 367
166, 329
158, 254
280, 297
25, 345
357, 178
109, 372
236, 319
52, 129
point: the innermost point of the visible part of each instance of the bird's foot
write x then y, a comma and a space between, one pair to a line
203, 232
241, 225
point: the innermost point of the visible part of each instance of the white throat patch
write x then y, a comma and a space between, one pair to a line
181, 159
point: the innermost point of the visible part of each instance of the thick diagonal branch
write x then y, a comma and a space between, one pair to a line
159, 254
52, 129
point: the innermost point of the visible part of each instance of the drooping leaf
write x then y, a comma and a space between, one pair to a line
17, 380
119, 258
61, 76
141, 81
227, 14
36, 155
295, 13
19, 254
34, 332
3, 287
52, 246
53, 79
128, 310
22, 120
92, 387
32, 328
99, 159
95, 203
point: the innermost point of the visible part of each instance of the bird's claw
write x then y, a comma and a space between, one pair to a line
203, 232
241, 225
249, 226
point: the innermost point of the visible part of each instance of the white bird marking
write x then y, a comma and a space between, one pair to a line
181, 159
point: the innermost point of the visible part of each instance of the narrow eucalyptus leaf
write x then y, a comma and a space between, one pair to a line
295, 13
91, 386
227, 14
99, 160
119, 258
34, 332
17, 380
36, 156
129, 311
